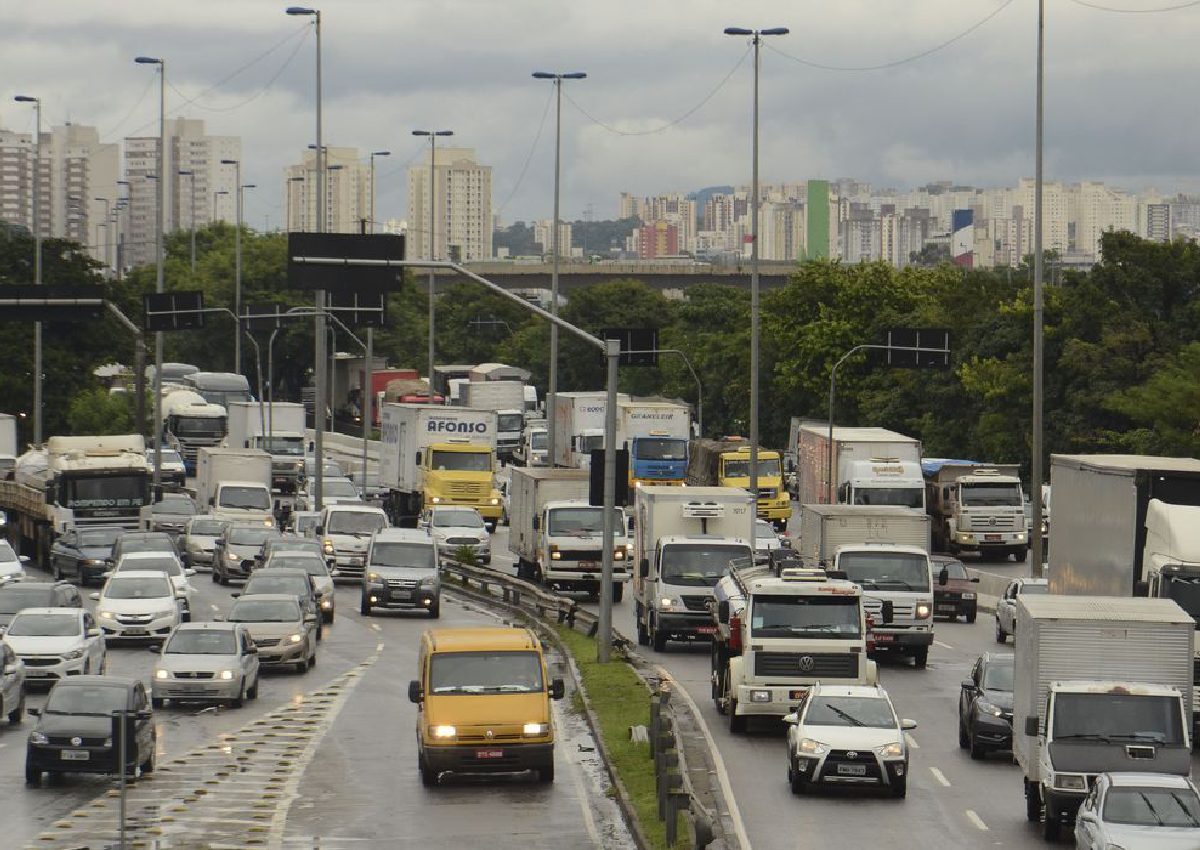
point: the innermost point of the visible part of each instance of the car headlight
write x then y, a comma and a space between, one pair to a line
38, 738
987, 708
327, 545
809, 747
1069, 781
73, 654
225, 675
922, 611
107, 615
533, 729
232, 556
326, 603
374, 578
968, 595
162, 674
444, 732
893, 750
666, 602
296, 638
170, 612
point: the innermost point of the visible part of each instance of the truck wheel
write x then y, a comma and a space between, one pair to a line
1050, 824
643, 636
737, 722
1001, 635
1033, 802
921, 657
618, 592
972, 615
660, 639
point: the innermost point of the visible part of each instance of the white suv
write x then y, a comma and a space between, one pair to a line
345, 531
1006, 605
137, 604
56, 642
453, 527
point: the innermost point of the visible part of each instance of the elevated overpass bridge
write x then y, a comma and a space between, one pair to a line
519, 275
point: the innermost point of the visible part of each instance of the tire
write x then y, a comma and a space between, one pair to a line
737, 722
1033, 803
1001, 635
978, 750
224, 580
643, 636
429, 777
57, 570
329, 618
320, 632
32, 775
312, 660
971, 617
17, 714
157, 703
301, 666
798, 785
618, 592
921, 657
148, 765
216, 578
659, 640
252, 693
964, 740
435, 610
545, 775
900, 788
364, 607
240, 699
1050, 825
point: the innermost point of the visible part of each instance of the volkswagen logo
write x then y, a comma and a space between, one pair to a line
807, 663
851, 754
75, 742
991, 521
490, 734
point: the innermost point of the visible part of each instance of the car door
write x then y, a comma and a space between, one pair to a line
144, 722
95, 642
64, 554
966, 698
10, 681
1087, 820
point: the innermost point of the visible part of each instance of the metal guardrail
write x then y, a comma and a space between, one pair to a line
676, 795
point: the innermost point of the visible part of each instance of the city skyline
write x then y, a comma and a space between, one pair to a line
962, 113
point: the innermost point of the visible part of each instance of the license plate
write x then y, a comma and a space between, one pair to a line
852, 769
706, 630
136, 632
588, 565
993, 538
797, 695
947, 608
489, 754
401, 594
35, 674
76, 755
884, 638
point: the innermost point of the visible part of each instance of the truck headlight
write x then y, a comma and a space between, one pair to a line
1020, 536
232, 557
809, 747
555, 555
893, 750
436, 500
38, 738
374, 578
494, 502
1069, 781
922, 610
619, 554
225, 675
326, 604
531, 730
666, 602
162, 674
760, 696
444, 732
327, 545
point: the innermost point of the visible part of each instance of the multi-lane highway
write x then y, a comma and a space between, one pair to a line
325, 759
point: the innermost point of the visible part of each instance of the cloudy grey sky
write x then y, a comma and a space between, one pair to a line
1119, 103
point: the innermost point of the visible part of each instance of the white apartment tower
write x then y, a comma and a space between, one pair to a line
462, 206
347, 192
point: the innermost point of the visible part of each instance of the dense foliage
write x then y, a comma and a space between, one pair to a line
1122, 343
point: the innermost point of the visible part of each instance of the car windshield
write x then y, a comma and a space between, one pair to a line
92, 700
905, 497
416, 555
485, 672
138, 588
338, 488
45, 625
662, 448
14, 598
741, 468
831, 616
167, 565
169, 456
206, 527
253, 535
872, 712
991, 495
294, 544
457, 519
1120, 717
998, 676
1173, 807
539, 440
314, 565
265, 582
698, 564
245, 498
265, 611
461, 461
201, 642
954, 569
892, 570
99, 537
180, 507
355, 522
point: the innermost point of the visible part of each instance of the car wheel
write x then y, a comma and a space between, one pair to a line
216, 578
900, 787
312, 660
33, 776
964, 740
224, 579
921, 657
320, 632
328, 617
57, 570
364, 607
157, 702
971, 617
301, 666
17, 714
737, 722
1033, 803
240, 699
545, 775
1001, 635
253, 692
978, 750
797, 783
435, 610
429, 776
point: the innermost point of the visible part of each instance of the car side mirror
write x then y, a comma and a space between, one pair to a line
557, 689
23, 559
644, 568
944, 576
906, 724
95, 597
414, 691
1031, 727
791, 719
320, 529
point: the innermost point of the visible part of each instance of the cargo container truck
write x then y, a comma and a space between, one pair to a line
284, 439
507, 398
976, 507
656, 435
579, 424
8, 445
191, 422
235, 484
871, 466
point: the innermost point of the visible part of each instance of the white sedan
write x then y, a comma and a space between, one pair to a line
12, 566
56, 643
454, 527
1147, 811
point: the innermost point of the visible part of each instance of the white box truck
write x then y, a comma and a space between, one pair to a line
432, 455
1099, 684
685, 539
235, 484
579, 427
871, 466
507, 398
283, 438
557, 536
976, 507
885, 550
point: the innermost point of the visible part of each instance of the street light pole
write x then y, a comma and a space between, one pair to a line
756, 40
107, 227
433, 135
191, 175
158, 258
215, 196
555, 249
319, 295
367, 408
237, 263
37, 261
1035, 472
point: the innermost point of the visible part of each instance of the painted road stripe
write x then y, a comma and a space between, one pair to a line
379, 647
374, 626
911, 741
943, 645
940, 777
977, 820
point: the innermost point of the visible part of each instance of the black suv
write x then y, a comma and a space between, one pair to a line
82, 553
74, 732
19, 595
985, 706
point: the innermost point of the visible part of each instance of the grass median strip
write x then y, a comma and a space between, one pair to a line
619, 699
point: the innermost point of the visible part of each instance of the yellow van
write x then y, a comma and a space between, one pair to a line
483, 703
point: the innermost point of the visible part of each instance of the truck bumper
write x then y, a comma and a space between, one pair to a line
970, 541
775, 510
576, 578
678, 625
775, 700
902, 638
1062, 804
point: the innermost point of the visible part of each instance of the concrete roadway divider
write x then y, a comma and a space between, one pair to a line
991, 587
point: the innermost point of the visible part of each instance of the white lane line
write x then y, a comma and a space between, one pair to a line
374, 626
943, 645
215, 608
378, 648
977, 820
940, 777
911, 741
576, 772
735, 814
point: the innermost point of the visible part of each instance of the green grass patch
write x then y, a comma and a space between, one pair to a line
620, 700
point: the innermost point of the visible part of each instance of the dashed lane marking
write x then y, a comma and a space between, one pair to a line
379, 647
912, 742
940, 777
374, 626
943, 645
977, 820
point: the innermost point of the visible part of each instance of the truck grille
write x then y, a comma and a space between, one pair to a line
792, 664
902, 613
465, 488
992, 523
579, 555
695, 603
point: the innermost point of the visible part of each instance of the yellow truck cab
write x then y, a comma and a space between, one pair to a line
483, 703
726, 463
462, 473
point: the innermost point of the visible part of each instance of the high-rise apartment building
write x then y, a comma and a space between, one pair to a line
543, 235
347, 192
462, 206
188, 204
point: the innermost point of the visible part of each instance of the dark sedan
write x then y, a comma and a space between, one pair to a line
954, 592
985, 706
82, 554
